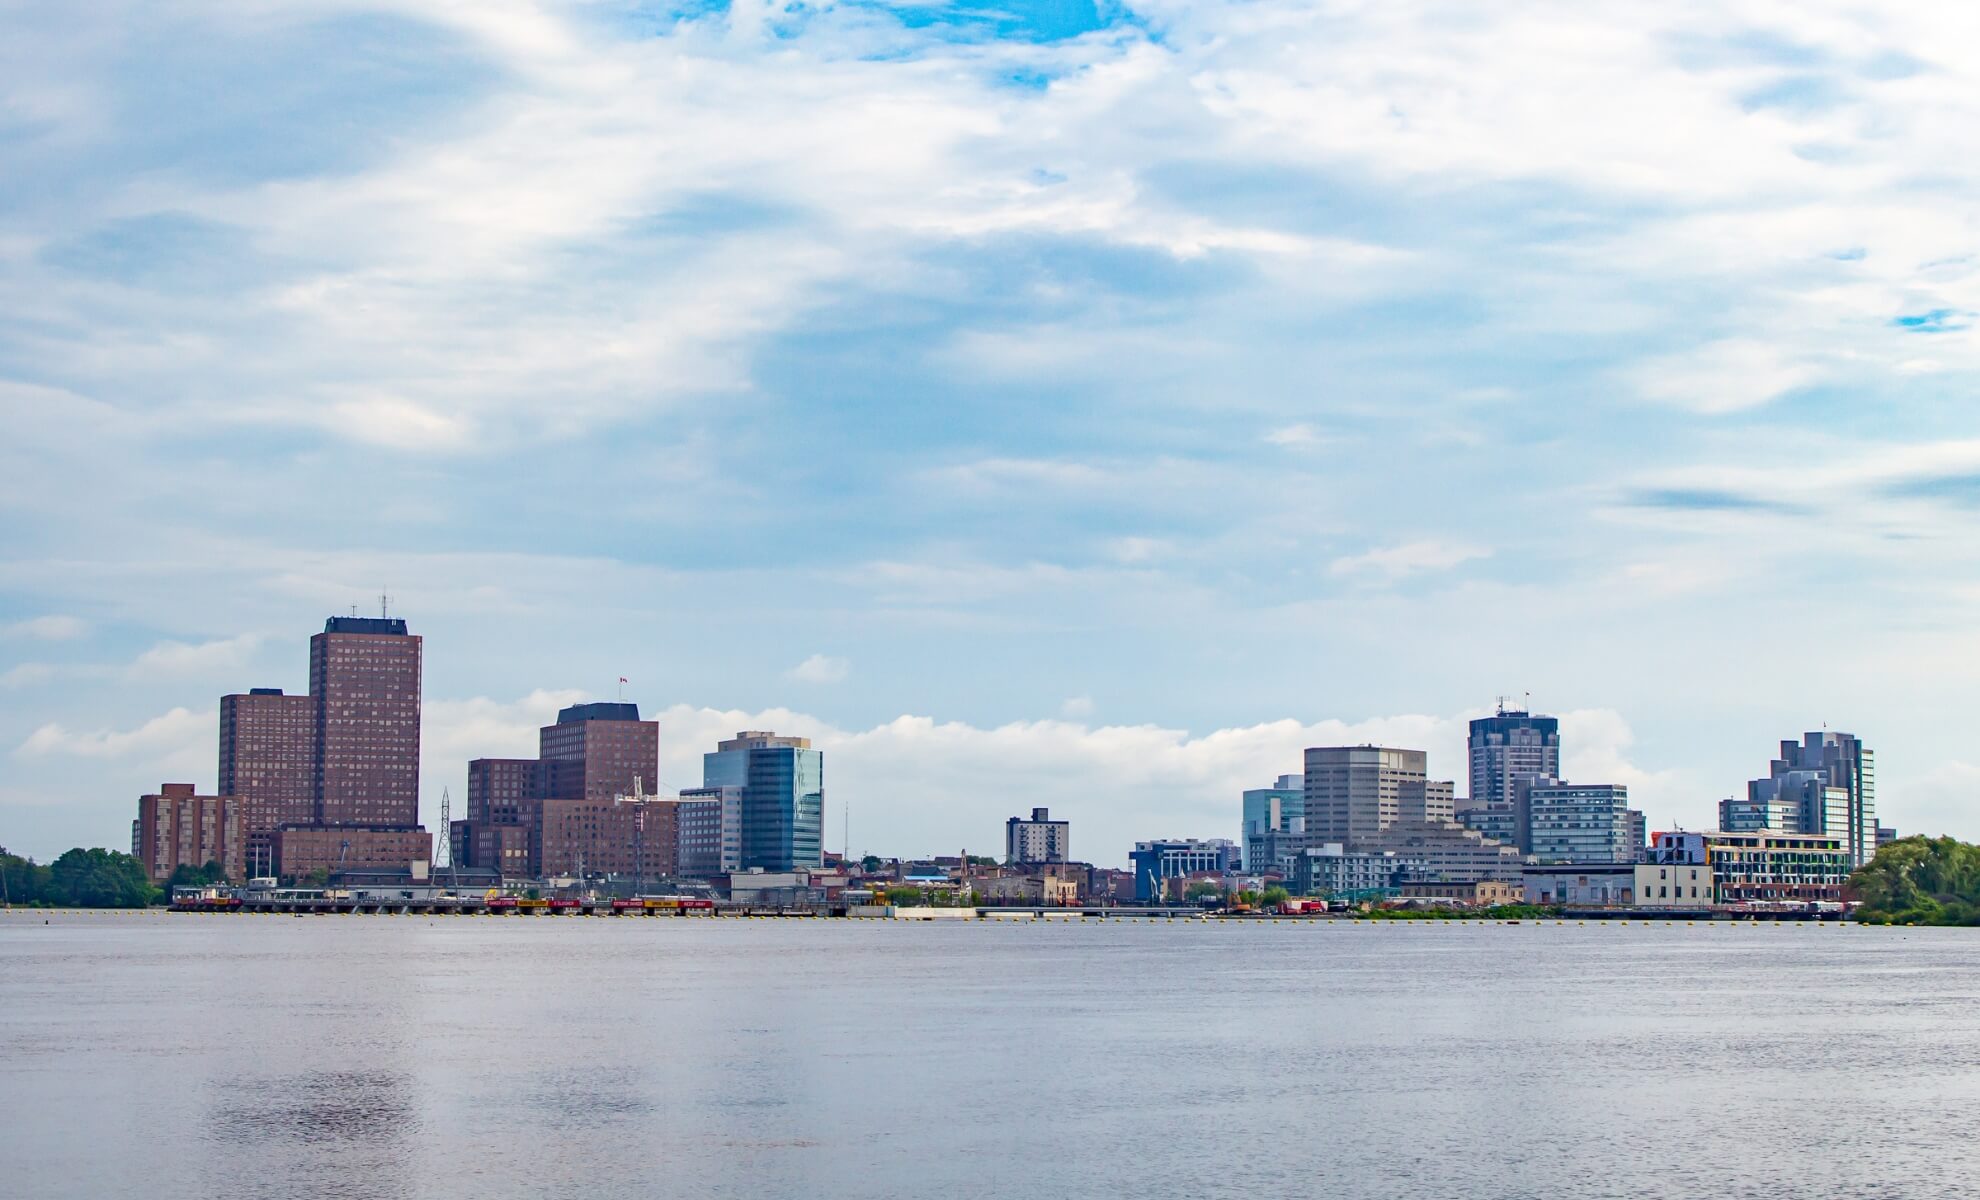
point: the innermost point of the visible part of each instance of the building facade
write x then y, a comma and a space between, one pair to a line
364, 683
1576, 822
1333, 870
1353, 793
1829, 780
302, 849
1506, 747
598, 751
1280, 808
710, 831
782, 817
1761, 866
1156, 862
1038, 840
176, 827
268, 759
1596, 884
579, 837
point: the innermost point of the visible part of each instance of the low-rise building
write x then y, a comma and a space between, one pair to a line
1477, 893
1673, 885
1764, 865
1038, 889
1157, 862
302, 849
1332, 870
1451, 851
1592, 884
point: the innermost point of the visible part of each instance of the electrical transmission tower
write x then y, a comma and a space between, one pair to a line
443, 846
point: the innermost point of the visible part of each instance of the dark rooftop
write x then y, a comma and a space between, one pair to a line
599, 710
392, 625
264, 691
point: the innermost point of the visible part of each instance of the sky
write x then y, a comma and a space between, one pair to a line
1037, 404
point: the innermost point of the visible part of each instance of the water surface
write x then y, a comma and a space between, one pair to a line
197, 1056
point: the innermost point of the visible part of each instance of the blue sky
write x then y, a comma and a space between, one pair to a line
1069, 404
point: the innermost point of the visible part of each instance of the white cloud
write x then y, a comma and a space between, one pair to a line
1077, 707
1725, 376
1298, 437
173, 659
820, 668
178, 745
49, 628
1390, 563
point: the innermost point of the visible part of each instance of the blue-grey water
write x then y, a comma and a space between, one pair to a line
175, 1056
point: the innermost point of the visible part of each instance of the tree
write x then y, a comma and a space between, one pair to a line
1276, 896
870, 863
320, 877
1201, 889
904, 896
1921, 881
99, 878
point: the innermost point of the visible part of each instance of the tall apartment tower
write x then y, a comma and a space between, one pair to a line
783, 797
364, 678
268, 759
599, 751
1353, 793
1507, 746
1038, 840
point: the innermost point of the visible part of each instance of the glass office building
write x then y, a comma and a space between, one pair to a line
783, 797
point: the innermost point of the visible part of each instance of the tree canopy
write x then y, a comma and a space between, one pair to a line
80, 878
1920, 881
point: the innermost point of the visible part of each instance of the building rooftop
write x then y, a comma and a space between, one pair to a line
598, 710
388, 625
264, 691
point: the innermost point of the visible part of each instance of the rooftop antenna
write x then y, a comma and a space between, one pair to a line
383, 599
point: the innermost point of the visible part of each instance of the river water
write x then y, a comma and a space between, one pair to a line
168, 1056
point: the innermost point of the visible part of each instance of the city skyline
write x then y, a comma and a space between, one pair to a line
599, 751
1078, 381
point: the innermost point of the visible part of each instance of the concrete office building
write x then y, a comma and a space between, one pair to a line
1038, 840
1452, 852
783, 797
268, 759
1353, 793
1280, 808
1158, 861
1673, 885
710, 831
176, 827
1575, 822
1333, 870
364, 682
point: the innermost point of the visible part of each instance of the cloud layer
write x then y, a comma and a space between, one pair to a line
1217, 365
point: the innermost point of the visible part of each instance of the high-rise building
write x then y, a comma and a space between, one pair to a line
268, 759
1825, 784
176, 828
599, 751
1038, 840
1576, 822
1353, 793
783, 797
1507, 746
582, 837
364, 680
1280, 808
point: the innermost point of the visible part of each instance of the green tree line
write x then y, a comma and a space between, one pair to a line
1920, 881
95, 878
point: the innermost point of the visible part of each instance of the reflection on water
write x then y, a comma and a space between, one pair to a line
361, 1057
372, 1107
